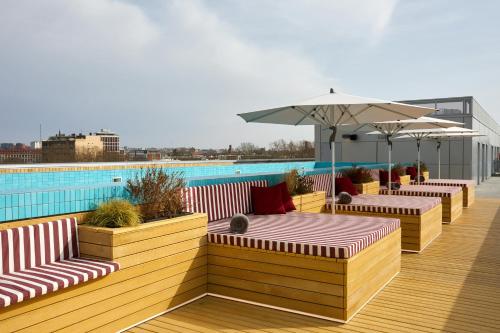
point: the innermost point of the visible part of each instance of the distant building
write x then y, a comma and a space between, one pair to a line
36, 144
19, 156
72, 148
110, 140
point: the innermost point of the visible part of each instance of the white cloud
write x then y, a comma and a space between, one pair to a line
176, 80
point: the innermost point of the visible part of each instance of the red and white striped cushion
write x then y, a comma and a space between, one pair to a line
387, 204
323, 182
331, 236
448, 182
222, 200
424, 191
42, 258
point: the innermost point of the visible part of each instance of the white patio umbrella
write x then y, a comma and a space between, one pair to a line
451, 132
391, 128
335, 109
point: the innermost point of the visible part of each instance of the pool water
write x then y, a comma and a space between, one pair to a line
38, 194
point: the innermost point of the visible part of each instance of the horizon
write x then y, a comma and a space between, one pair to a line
176, 73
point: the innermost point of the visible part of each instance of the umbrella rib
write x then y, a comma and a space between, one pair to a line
306, 114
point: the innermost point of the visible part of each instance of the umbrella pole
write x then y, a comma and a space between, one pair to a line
332, 148
389, 182
418, 161
439, 158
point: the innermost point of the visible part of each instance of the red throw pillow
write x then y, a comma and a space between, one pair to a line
344, 184
286, 198
412, 171
384, 177
267, 200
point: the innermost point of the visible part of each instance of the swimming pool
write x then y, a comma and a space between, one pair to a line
43, 193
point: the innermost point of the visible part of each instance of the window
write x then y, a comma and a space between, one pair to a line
447, 108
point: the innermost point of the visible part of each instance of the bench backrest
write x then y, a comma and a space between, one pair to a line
38, 244
221, 201
322, 182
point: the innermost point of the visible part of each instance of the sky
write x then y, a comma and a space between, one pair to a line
176, 72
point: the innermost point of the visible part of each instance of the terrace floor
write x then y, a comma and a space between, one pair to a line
453, 286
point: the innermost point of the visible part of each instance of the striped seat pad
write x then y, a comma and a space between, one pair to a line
42, 258
450, 182
18, 286
387, 204
424, 190
330, 236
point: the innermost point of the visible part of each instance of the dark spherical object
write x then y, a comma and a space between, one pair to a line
239, 224
344, 198
395, 186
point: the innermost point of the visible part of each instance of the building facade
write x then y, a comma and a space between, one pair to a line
20, 156
71, 148
110, 140
463, 158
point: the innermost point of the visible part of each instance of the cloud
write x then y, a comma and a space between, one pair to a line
177, 78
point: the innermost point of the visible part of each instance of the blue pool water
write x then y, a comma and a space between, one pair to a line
37, 194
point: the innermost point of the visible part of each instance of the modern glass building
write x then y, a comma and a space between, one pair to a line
461, 158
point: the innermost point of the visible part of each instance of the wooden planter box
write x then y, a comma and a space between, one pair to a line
163, 265
368, 188
312, 202
426, 175
405, 180
334, 289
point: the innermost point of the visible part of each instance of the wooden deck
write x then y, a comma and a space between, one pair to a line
452, 286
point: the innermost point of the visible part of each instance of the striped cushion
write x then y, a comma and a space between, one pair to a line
449, 182
323, 182
42, 258
339, 236
424, 191
221, 201
387, 204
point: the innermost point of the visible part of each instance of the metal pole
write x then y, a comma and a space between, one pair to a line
332, 147
389, 183
439, 158
418, 161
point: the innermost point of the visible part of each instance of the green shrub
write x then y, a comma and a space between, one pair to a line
399, 169
114, 214
358, 175
423, 166
298, 183
159, 195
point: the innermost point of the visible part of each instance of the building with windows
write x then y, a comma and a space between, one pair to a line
462, 158
20, 156
72, 148
110, 140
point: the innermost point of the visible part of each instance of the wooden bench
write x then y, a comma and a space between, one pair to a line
43, 258
328, 282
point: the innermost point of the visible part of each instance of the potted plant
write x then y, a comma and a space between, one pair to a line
424, 171
152, 224
401, 171
362, 180
301, 188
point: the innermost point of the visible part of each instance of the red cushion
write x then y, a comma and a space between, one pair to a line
286, 198
344, 184
412, 171
267, 200
384, 177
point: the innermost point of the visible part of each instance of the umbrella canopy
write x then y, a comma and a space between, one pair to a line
334, 109
410, 126
438, 135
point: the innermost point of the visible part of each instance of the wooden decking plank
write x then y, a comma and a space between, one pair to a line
452, 286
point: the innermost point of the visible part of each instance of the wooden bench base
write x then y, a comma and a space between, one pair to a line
161, 268
334, 289
417, 231
469, 195
452, 207
368, 188
310, 203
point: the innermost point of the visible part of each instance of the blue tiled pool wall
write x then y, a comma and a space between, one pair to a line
81, 194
